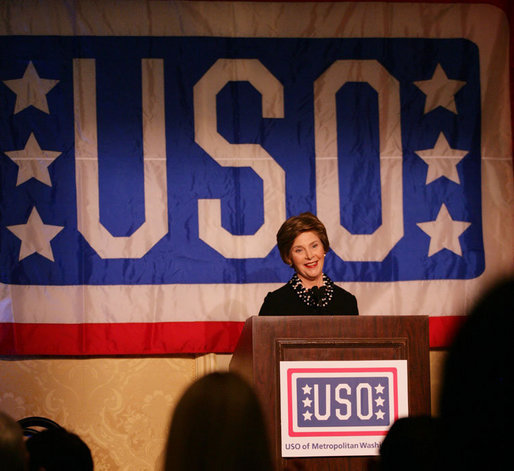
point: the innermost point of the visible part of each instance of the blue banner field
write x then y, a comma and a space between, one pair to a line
192, 174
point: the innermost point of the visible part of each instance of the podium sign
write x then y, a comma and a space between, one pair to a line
339, 408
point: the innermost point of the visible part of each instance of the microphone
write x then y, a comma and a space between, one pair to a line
316, 293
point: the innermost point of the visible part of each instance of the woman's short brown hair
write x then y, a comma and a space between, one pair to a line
293, 227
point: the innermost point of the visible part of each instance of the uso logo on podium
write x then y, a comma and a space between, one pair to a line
339, 408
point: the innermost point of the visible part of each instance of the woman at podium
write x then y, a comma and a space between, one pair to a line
303, 243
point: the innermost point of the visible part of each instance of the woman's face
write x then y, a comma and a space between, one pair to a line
307, 256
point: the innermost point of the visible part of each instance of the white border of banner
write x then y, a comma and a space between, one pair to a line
236, 302
343, 441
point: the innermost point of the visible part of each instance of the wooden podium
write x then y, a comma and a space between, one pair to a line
266, 341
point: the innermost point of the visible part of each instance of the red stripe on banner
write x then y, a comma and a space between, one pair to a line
442, 330
152, 339
119, 339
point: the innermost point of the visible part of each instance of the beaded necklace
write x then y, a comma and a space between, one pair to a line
308, 296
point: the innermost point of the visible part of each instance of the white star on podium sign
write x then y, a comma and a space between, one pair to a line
35, 236
442, 160
33, 162
306, 389
31, 90
307, 402
440, 91
444, 232
380, 414
307, 415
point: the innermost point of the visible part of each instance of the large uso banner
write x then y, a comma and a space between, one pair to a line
149, 152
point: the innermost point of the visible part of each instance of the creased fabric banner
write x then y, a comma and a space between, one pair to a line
150, 150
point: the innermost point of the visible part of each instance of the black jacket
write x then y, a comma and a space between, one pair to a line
285, 302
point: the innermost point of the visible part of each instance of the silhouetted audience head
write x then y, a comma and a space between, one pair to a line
13, 454
478, 384
218, 425
58, 450
410, 444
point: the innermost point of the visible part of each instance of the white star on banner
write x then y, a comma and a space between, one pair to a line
306, 389
444, 232
440, 90
35, 236
442, 160
307, 416
33, 162
307, 402
379, 401
31, 90
380, 414
379, 389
